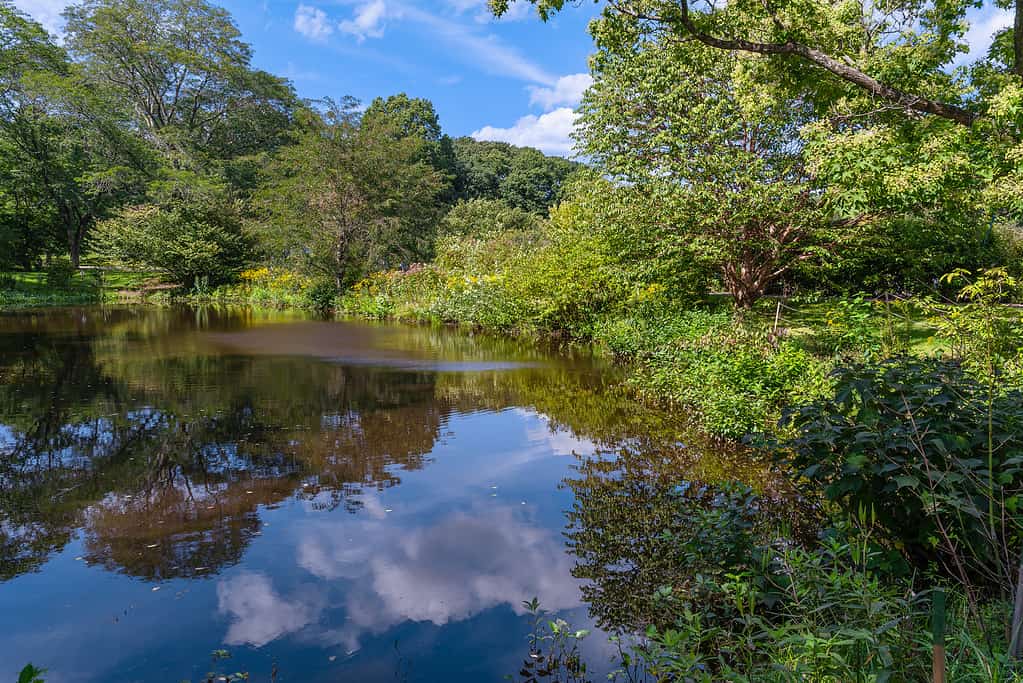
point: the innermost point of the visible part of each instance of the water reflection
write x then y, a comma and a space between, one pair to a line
258, 614
627, 506
300, 486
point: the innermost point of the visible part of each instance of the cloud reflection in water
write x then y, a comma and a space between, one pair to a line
467, 562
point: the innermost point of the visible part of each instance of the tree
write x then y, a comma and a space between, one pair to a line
881, 108
351, 196
415, 117
709, 137
520, 176
177, 64
894, 54
482, 218
63, 152
191, 241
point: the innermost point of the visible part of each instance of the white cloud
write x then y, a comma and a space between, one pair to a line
550, 132
368, 21
486, 51
984, 24
482, 14
46, 12
483, 50
312, 23
452, 570
566, 92
258, 614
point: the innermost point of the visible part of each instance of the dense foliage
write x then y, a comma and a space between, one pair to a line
157, 104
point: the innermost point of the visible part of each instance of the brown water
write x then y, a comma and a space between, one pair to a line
327, 501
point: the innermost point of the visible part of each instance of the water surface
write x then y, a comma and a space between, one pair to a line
327, 501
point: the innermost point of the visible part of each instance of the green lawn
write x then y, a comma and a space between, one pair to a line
27, 289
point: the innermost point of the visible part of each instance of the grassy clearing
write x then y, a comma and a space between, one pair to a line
33, 289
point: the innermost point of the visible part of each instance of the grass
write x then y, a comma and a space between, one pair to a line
31, 289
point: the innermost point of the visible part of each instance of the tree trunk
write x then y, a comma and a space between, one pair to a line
74, 238
1016, 626
1017, 40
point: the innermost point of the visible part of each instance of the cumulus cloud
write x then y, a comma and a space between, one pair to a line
367, 22
566, 92
450, 571
461, 565
985, 22
550, 132
312, 23
259, 615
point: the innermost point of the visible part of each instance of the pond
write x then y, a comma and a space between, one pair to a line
323, 500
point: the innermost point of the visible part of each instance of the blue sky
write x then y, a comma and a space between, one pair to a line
514, 79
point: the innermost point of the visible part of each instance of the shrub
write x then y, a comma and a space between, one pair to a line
725, 594
932, 451
188, 241
60, 275
731, 372
321, 295
482, 217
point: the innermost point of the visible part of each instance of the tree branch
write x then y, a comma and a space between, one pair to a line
825, 61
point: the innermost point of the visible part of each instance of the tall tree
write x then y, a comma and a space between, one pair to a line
416, 117
896, 132
178, 64
353, 195
63, 151
520, 176
709, 137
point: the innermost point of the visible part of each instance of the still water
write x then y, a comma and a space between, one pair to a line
326, 501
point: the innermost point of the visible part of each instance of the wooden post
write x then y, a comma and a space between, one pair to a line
938, 632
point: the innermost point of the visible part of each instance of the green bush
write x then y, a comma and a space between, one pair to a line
60, 275
483, 217
906, 253
725, 592
321, 295
935, 453
731, 372
8, 282
187, 241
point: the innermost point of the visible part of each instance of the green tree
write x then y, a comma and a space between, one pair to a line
901, 129
704, 133
190, 241
892, 54
520, 176
484, 217
181, 68
64, 155
353, 195
415, 117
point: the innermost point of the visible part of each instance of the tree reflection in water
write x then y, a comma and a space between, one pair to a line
638, 524
163, 461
